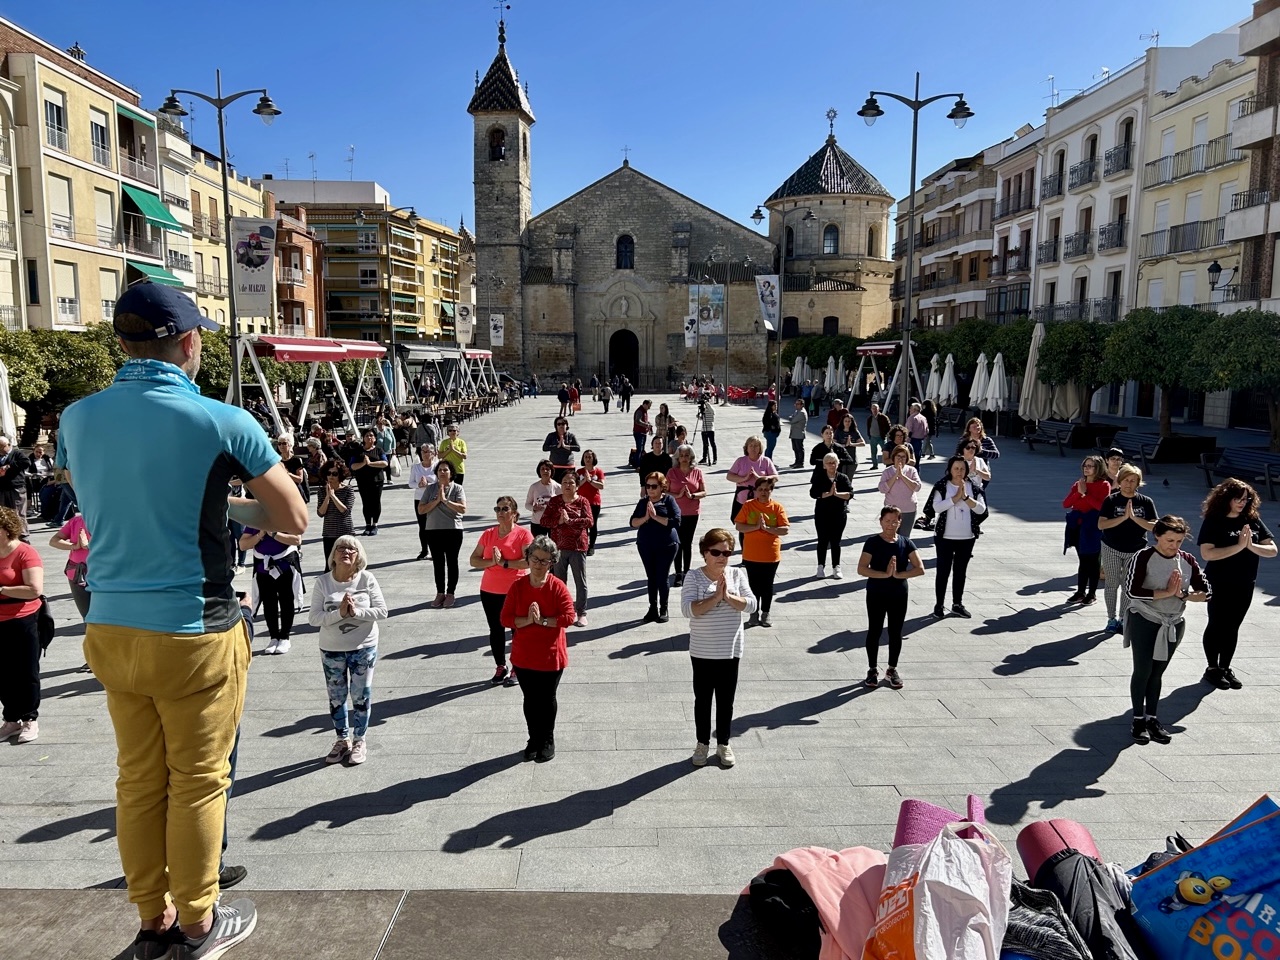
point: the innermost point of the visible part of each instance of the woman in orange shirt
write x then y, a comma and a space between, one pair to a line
763, 523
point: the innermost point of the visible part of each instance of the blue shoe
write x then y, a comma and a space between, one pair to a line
1114, 625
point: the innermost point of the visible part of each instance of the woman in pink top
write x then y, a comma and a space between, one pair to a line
687, 484
75, 537
590, 483
900, 483
500, 554
752, 464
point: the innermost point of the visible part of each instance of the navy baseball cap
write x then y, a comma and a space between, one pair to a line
167, 309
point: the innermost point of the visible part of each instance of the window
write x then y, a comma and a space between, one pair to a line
497, 144
108, 292
1187, 287
1168, 140
1126, 132
1200, 130
221, 316
625, 254
973, 268
873, 243
1051, 292
100, 134
55, 118
217, 271
311, 318
1155, 292
33, 283
830, 326
104, 215
831, 240
1192, 209
61, 222
1091, 147
310, 263
790, 328
368, 276
65, 289
790, 243
1225, 193
367, 241
1082, 288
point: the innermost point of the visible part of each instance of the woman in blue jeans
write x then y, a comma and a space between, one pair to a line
656, 521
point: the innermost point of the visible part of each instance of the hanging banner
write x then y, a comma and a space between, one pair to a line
253, 241
690, 332
464, 325
770, 303
706, 302
497, 326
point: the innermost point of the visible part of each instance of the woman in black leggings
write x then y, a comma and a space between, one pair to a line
888, 561
656, 520
500, 554
831, 492
957, 505
369, 466
1232, 538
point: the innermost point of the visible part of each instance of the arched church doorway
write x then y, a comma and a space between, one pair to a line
624, 356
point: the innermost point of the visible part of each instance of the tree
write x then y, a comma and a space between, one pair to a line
966, 340
1241, 351
1013, 339
1075, 351
1157, 347
49, 369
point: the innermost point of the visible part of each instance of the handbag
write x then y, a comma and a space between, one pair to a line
44, 621
395, 465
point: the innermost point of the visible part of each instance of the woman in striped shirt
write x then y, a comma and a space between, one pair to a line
715, 597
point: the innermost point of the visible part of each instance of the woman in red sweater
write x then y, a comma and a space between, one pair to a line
1084, 501
537, 609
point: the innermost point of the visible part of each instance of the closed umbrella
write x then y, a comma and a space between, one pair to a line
7, 425
797, 374
934, 386
997, 394
981, 377
1067, 401
840, 376
947, 393
1037, 399
831, 374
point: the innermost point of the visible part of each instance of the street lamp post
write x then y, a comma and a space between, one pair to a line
490, 281
728, 278
268, 111
959, 114
391, 297
809, 220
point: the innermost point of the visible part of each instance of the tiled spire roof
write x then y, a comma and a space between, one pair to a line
500, 90
830, 170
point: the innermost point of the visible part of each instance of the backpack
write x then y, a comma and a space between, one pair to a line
784, 909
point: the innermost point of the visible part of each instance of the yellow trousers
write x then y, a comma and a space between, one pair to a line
175, 701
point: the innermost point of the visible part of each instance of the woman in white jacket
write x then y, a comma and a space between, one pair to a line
346, 604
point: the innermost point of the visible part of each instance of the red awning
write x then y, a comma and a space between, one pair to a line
299, 349
878, 349
363, 349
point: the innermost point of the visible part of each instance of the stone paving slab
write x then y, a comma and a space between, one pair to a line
1025, 704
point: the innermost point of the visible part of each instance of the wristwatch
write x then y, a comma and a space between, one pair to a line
505, 564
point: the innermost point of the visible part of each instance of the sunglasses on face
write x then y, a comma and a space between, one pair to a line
653, 486
719, 553
541, 561
501, 509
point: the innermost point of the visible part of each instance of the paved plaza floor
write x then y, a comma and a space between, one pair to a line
1026, 705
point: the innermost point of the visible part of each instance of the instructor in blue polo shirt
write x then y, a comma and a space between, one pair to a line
165, 636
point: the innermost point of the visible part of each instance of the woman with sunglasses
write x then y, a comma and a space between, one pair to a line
689, 486
500, 554
590, 483
369, 468
979, 471
656, 521
714, 598
958, 505
763, 523
335, 504
568, 517
560, 446
420, 477
1232, 538
537, 609
540, 494
444, 503
897, 437
454, 450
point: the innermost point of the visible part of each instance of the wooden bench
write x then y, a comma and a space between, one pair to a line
1256, 467
1144, 445
1055, 432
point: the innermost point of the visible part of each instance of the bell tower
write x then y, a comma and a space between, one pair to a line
502, 118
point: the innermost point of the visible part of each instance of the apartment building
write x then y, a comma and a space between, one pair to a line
11, 259
299, 283
1016, 164
953, 233
91, 218
381, 264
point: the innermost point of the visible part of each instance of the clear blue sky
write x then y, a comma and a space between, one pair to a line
721, 101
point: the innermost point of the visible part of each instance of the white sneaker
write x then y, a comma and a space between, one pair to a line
30, 730
271, 647
821, 572
837, 573
282, 646
725, 753
700, 754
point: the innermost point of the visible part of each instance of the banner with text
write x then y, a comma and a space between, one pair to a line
497, 328
770, 303
253, 241
690, 332
706, 302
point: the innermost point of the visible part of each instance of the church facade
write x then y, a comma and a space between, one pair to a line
603, 282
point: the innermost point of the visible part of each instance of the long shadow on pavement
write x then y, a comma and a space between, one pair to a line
1019, 620
1056, 653
800, 712
512, 828
1072, 774
843, 641
1052, 585
384, 710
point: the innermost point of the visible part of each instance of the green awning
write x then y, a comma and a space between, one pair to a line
156, 274
152, 209
134, 115
446, 309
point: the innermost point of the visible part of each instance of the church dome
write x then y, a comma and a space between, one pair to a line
830, 171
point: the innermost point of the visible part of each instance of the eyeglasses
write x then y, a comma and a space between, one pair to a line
653, 486
501, 509
541, 561
452, 430
719, 553
971, 447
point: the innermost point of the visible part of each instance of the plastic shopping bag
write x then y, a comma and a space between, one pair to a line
1220, 899
947, 899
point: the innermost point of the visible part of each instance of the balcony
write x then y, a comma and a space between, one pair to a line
900, 246
1050, 187
1119, 159
293, 330
108, 310
68, 310
1241, 292
206, 226
1013, 261
1189, 162
941, 237
171, 125
137, 169
56, 136
10, 318
1083, 174
213, 286
4, 151
1254, 124
1012, 205
1100, 310
176, 201
102, 155
1077, 246
7, 241
142, 244
293, 275
1047, 251
1248, 216
1261, 35
107, 237
1113, 236
176, 260
1184, 238
61, 225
